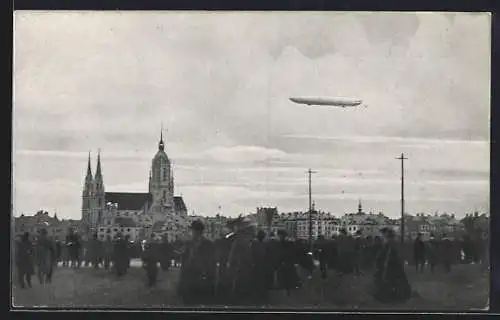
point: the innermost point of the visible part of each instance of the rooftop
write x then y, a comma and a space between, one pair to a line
129, 200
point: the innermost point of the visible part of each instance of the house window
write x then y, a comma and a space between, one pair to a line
164, 194
128, 230
164, 174
115, 229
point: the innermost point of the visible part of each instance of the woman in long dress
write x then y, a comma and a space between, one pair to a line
390, 283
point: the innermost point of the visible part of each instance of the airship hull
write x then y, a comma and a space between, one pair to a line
320, 101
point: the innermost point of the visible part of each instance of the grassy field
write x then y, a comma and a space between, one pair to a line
464, 288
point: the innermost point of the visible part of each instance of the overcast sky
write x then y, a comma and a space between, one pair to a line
220, 82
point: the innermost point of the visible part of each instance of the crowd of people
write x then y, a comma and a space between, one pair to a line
243, 267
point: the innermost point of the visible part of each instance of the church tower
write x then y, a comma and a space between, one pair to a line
161, 183
99, 195
87, 194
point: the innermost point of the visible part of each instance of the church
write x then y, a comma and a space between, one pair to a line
131, 209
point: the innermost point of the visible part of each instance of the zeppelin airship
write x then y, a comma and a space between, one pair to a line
327, 101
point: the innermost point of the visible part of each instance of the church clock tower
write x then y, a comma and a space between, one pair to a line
161, 183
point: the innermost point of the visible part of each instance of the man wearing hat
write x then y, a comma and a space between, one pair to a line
45, 257
239, 263
198, 268
419, 253
390, 283
121, 259
24, 260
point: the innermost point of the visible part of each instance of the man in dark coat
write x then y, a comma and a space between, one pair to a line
121, 259
166, 254
45, 257
446, 253
95, 251
321, 254
24, 260
390, 283
107, 250
346, 252
432, 253
419, 253
240, 264
261, 269
198, 268
73, 244
150, 259
359, 248
287, 276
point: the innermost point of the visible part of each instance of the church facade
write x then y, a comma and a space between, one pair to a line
100, 209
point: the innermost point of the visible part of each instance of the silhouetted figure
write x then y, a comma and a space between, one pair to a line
287, 276
390, 283
358, 253
166, 255
73, 244
107, 248
24, 260
346, 252
433, 253
321, 254
419, 253
45, 257
261, 270
198, 268
150, 259
446, 253
240, 264
121, 259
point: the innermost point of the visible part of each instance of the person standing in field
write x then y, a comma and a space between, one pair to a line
390, 281
419, 253
95, 251
150, 261
107, 248
120, 260
45, 257
198, 268
240, 264
24, 260
432, 253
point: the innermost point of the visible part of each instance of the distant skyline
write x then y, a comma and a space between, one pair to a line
220, 83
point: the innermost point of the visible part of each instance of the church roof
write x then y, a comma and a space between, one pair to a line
125, 222
129, 200
179, 204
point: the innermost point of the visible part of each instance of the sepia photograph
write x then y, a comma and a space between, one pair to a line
267, 160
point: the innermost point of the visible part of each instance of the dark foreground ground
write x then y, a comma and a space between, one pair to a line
465, 288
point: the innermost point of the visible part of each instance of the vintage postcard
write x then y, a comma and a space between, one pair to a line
329, 160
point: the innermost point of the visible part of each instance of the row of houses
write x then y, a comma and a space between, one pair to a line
176, 227
56, 228
369, 224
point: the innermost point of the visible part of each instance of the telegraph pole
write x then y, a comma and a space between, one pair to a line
402, 158
310, 172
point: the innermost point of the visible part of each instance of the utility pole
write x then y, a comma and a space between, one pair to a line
402, 158
310, 172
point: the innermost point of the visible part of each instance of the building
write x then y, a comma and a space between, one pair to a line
56, 228
323, 224
216, 227
159, 202
432, 226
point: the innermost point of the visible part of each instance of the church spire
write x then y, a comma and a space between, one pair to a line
98, 172
360, 207
161, 145
89, 169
